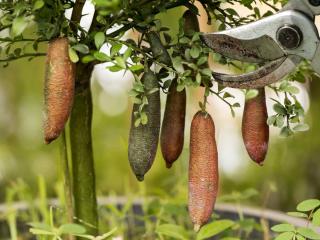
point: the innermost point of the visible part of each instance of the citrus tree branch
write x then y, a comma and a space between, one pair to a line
30, 55
77, 13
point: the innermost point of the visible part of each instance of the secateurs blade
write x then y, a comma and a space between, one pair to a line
278, 43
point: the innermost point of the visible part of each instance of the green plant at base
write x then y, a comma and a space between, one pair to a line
69, 229
308, 210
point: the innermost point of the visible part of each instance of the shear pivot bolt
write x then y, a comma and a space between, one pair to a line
289, 36
315, 3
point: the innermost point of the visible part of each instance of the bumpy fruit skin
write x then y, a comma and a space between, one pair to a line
59, 88
203, 169
255, 130
191, 23
143, 140
159, 52
172, 132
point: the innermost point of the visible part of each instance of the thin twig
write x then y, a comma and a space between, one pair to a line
133, 24
31, 55
22, 40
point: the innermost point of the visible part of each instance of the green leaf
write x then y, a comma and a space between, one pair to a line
19, 24
285, 236
38, 5
36, 231
180, 88
115, 49
195, 52
271, 120
136, 68
144, 118
202, 60
207, 72
298, 237
177, 64
121, 62
73, 55
301, 128
292, 89
72, 229
284, 227
316, 218
298, 214
308, 233
278, 108
137, 122
228, 95
127, 54
286, 132
114, 68
82, 48
138, 87
171, 230
88, 58
136, 101
236, 105
308, 205
102, 57
42, 226
279, 121
99, 39
214, 228
198, 78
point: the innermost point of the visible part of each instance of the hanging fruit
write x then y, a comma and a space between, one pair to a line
143, 139
203, 169
172, 132
255, 130
59, 88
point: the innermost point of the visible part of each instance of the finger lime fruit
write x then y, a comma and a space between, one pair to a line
159, 52
143, 139
203, 169
172, 131
59, 88
255, 130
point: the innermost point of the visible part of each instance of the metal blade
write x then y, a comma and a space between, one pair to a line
259, 50
258, 41
266, 75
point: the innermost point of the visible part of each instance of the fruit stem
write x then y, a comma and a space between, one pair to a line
196, 227
84, 191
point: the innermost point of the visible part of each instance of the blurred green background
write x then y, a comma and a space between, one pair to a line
291, 172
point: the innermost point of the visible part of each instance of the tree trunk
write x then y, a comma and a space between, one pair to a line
84, 192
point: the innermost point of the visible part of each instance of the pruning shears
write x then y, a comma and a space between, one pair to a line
277, 43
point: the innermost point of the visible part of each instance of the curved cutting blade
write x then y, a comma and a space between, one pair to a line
258, 50
258, 41
265, 75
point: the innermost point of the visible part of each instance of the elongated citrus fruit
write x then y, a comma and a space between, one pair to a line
143, 140
255, 130
203, 169
172, 131
191, 23
159, 52
59, 88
